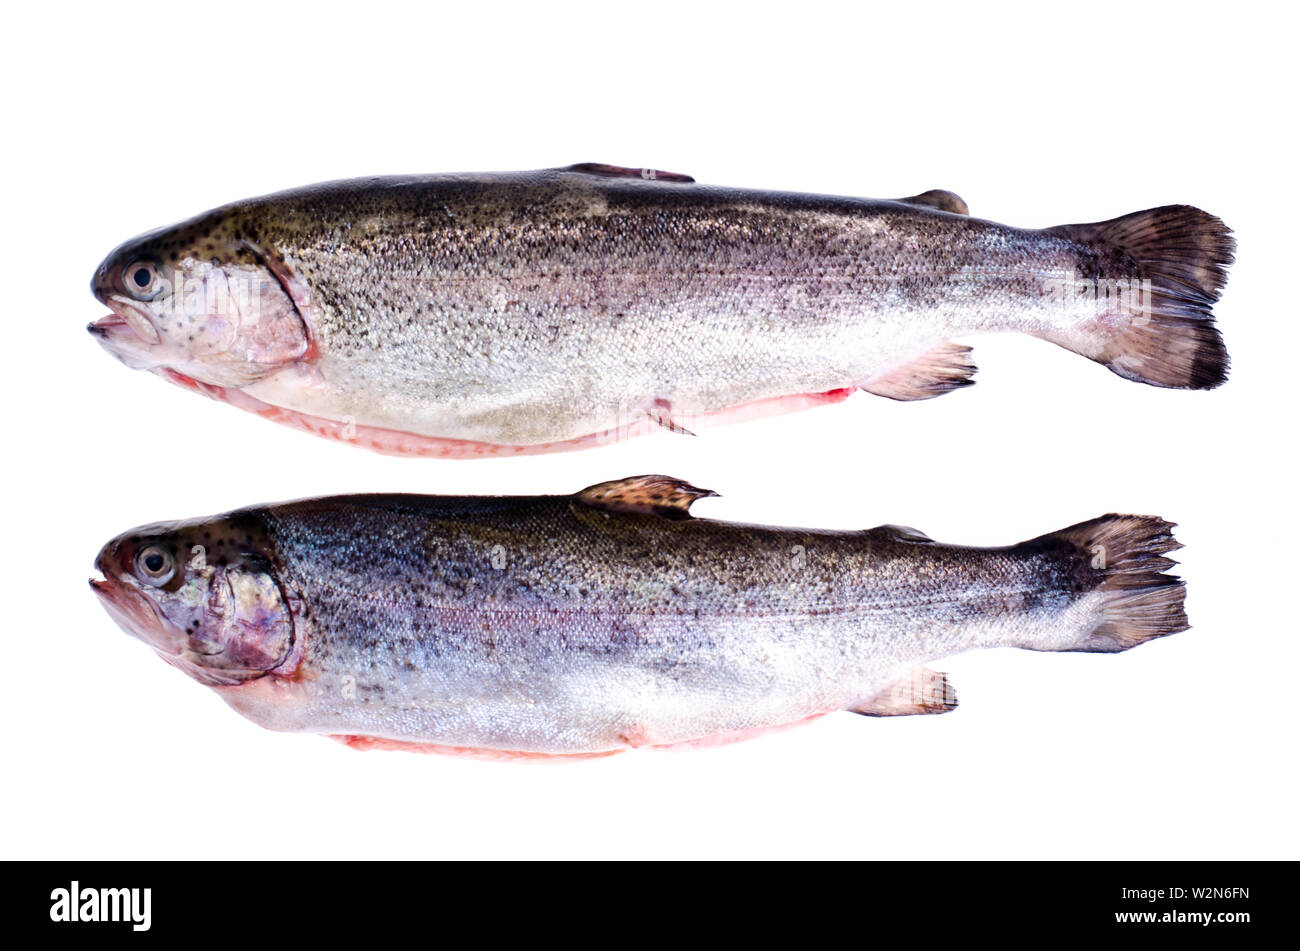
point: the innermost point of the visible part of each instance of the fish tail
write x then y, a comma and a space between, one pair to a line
1154, 275
1118, 561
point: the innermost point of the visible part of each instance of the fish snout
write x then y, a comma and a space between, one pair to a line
128, 604
109, 562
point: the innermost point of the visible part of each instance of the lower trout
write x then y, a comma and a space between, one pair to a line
470, 315
610, 619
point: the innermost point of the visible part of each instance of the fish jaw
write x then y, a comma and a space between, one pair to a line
136, 615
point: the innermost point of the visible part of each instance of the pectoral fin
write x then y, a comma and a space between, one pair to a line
921, 691
662, 413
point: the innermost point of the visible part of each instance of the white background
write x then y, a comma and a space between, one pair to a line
119, 119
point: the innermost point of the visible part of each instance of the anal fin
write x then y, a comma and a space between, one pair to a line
921, 691
937, 371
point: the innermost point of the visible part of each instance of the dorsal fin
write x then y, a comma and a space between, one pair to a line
903, 533
618, 171
941, 199
648, 494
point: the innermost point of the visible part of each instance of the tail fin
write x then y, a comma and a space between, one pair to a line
1122, 556
1169, 338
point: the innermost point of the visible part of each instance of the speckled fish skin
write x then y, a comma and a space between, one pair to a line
609, 619
554, 308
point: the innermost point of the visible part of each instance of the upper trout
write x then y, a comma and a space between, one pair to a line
466, 315
610, 619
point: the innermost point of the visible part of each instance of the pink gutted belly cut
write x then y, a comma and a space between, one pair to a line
393, 442
633, 741
380, 743
725, 738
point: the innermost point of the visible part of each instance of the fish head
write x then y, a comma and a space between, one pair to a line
199, 301
206, 595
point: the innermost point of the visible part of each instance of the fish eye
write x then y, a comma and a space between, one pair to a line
141, 280
154, 565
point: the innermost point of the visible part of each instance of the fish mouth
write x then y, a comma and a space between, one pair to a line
109, 324
127, 333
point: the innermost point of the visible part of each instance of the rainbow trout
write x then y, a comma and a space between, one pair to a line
470, 315
605, 620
